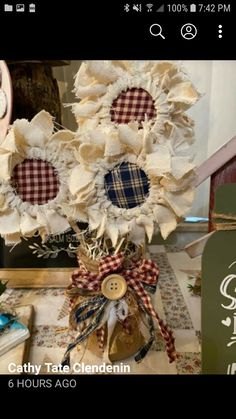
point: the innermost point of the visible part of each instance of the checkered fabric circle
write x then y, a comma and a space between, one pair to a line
35, 181
132, 105
127, 185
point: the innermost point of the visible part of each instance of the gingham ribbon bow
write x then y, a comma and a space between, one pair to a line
139, 274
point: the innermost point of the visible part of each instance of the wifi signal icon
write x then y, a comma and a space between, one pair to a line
149, 7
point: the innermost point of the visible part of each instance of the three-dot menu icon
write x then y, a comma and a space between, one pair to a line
220, 31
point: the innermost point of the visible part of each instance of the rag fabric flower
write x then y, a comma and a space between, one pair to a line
156, 95
97, 310
126, 184
34, 166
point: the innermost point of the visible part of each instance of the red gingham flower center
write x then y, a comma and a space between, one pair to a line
35, 181
133, 105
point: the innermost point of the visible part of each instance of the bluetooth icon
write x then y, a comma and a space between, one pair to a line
126, 7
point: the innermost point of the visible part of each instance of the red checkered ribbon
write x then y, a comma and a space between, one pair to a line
133, 105
139, 273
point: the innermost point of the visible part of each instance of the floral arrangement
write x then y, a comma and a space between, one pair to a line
134, 177
127, 173
135, 172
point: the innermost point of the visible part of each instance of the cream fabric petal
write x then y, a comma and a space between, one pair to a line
113, 146
86, 109
112, 232
147, 147
56, 223
123, 226
82, 77
44, 121
144, 66
166, 220
42, 221
9, 222
35, 137
43, 233
2, 201
184, 120
95, 217
87, 125
171, 80
63, 135
147, 223
75, 212
180, 166
137, 233
28, 224
159, 162
123, 64
32, 134
129, 136
103, 71
101, 228
12, 239
93, 89
172, 185
12, 142
5, 164
77, 155
180, 202
183, 93
80, 178
163, 67
98, 136
20, 127
85, 196
90, 153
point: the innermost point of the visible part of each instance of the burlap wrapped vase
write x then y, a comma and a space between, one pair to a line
126, 338
111, 307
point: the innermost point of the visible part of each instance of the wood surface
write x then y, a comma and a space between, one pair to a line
221, 168
37, 278
196, 247
215, 162
225, 174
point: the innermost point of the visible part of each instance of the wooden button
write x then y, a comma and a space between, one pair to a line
114, 287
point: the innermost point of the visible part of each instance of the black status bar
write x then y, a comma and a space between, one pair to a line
108, 8
174, 7
103, 30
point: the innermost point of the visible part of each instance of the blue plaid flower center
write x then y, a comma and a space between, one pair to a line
127, 185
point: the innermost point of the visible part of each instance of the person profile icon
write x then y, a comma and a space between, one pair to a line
188, 31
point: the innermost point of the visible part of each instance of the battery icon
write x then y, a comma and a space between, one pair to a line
193, 8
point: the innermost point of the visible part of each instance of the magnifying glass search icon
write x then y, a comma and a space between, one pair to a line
156, 30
